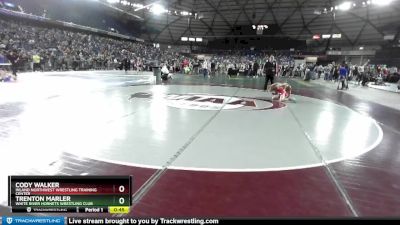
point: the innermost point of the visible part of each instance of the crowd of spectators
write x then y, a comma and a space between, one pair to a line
236, 62
31, 47
55, 49
45, 48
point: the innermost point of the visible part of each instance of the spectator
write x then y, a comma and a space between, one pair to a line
36, 62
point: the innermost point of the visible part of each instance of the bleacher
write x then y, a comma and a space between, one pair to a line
389, 56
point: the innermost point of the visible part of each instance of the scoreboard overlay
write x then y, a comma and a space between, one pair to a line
75, 194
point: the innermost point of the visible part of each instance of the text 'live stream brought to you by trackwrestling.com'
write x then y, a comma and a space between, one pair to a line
26, 220
136, 221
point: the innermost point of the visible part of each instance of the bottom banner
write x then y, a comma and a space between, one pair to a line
19, 220
142, 221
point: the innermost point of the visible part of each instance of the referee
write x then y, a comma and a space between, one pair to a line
13, 58
269, 70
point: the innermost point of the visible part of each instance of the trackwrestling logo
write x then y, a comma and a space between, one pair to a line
209, 102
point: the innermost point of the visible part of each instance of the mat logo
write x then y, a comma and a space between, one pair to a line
209, 102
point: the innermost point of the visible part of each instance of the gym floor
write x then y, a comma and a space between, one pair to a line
214, 147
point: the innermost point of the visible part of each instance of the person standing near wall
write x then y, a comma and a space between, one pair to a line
343, 74
36, 61
255, 68
205, 68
